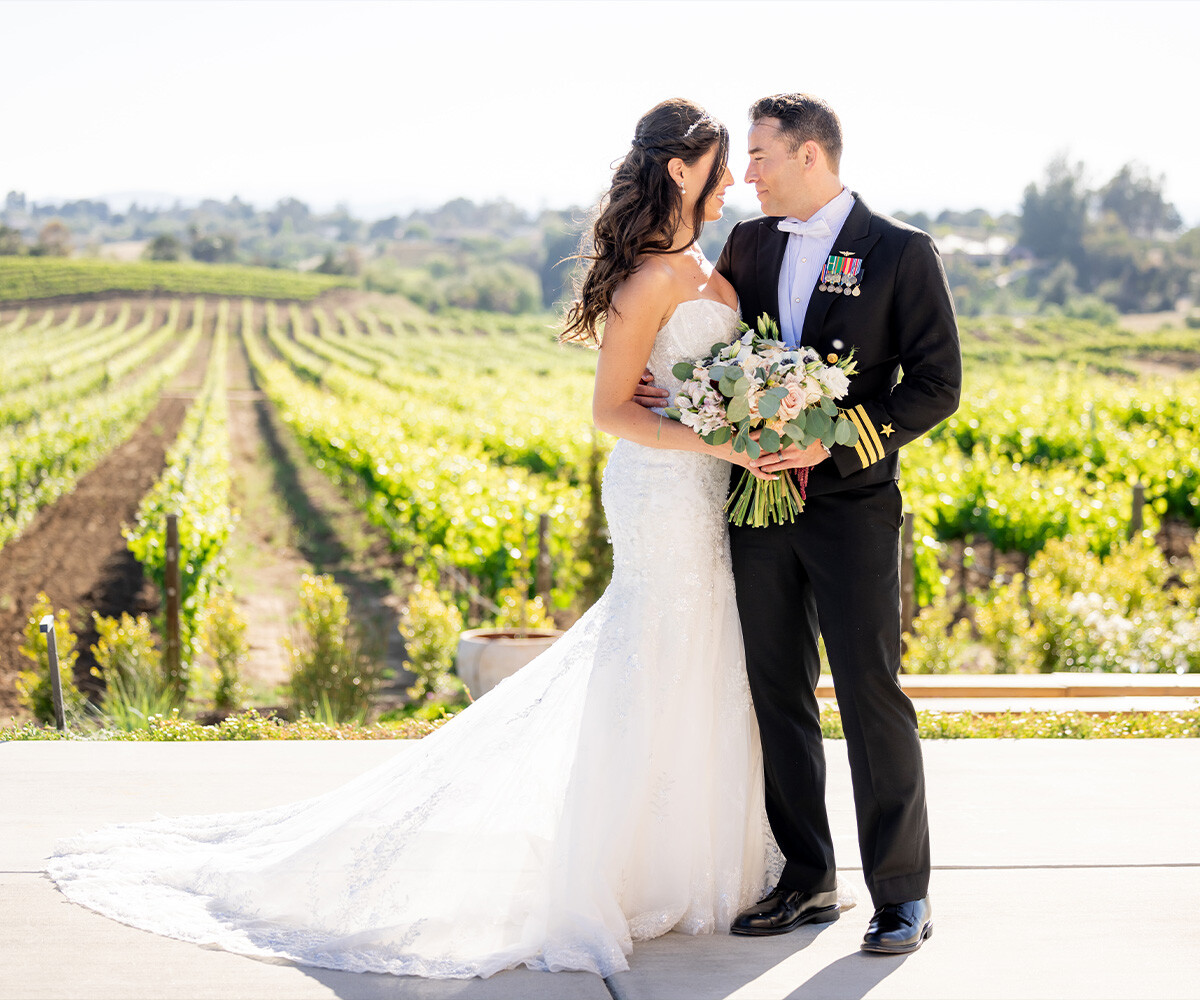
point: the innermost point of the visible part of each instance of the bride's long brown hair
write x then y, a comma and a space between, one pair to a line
643, 210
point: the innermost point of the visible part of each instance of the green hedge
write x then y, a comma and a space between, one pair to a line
24, 278
1184, 724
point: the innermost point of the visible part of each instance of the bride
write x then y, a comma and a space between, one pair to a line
611, 790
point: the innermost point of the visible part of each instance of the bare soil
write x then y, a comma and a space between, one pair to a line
74, 551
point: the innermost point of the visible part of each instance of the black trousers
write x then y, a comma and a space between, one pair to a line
834, 572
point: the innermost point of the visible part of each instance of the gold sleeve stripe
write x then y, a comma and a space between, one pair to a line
862, 439
871, 431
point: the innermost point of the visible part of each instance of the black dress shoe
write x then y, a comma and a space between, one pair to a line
899, 928
784, 910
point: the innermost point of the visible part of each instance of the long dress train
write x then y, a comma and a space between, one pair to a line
608, 792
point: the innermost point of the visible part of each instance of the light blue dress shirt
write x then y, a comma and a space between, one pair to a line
803, 262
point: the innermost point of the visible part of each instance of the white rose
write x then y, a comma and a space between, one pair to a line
835, 381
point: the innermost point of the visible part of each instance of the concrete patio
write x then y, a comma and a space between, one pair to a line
1062, 869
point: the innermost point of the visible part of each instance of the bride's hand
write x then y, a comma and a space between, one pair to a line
726, 452
792, 457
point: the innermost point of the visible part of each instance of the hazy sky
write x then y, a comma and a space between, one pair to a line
391, 105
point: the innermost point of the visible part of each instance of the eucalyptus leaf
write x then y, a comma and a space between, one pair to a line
741, 386
753, 448
767, 408
717, 348
738, 409
844, 432
818, 423
828, 407
769, 439
828, 440
682, 369
719, 436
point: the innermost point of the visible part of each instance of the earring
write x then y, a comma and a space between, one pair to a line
682, 189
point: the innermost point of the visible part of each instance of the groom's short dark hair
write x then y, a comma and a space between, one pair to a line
803, 117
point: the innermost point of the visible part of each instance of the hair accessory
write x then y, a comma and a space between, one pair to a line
696, 124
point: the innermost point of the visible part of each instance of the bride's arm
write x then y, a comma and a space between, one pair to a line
629, 331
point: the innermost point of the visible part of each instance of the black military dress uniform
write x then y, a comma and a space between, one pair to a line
834, 571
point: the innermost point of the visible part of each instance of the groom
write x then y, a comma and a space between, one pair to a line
838, 276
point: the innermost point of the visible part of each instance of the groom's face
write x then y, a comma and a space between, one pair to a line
778, 175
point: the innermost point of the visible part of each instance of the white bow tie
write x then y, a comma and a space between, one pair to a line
813, 227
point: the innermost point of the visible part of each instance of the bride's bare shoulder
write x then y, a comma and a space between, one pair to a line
648, 294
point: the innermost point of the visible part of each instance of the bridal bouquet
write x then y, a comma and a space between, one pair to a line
787, 394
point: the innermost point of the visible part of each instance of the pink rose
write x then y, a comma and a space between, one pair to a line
793, 402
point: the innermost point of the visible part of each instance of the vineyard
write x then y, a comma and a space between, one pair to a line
1053, 516
32, 278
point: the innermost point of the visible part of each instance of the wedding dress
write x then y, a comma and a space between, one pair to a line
608, 792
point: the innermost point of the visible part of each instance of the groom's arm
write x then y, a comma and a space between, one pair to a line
922, 314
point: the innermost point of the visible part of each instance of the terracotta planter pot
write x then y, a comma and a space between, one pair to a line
487, 655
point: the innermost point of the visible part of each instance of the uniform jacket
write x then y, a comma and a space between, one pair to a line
903, 321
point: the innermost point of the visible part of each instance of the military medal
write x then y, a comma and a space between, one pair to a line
841, 274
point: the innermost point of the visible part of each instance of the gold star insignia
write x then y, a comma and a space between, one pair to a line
887, 430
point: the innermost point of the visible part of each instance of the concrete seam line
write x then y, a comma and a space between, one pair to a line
613, 991
1053, 867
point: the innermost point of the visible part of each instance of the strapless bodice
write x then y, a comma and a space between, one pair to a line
689, 334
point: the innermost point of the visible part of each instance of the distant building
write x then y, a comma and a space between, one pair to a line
991, 249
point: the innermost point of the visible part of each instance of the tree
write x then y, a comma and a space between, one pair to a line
54, 240
1136, 199
1054, 216
214, 248
384, 229
11, 244
559, 244
165, 246
920, 220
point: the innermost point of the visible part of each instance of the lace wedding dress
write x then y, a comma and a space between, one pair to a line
608, 792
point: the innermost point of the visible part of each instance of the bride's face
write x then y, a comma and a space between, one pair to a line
696, 176
715, 205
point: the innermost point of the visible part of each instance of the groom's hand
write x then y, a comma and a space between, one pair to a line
792, 457
647, 393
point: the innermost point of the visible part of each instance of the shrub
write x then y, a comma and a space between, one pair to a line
431, 626
519, 611
224, 640
1115, 613
33, 686
331, 679
130, 664
934, 645
1004, 627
